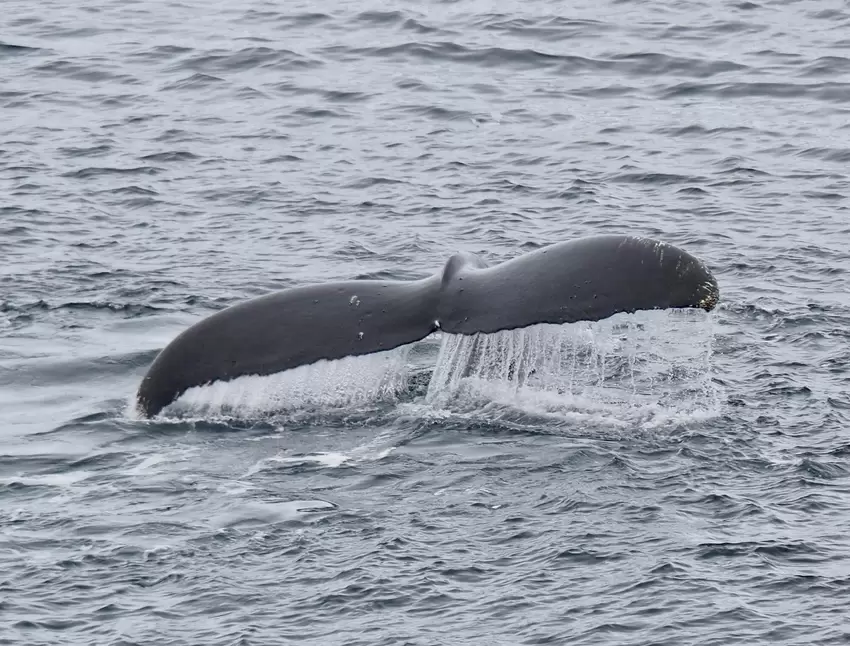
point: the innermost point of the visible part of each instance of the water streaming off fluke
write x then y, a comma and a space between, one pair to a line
652, 360
649, 359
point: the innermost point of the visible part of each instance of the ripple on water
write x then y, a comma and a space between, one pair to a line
682, 481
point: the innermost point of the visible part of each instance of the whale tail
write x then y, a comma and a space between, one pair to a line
588, 279
581, 280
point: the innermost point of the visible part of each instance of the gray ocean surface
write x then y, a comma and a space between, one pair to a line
672, 479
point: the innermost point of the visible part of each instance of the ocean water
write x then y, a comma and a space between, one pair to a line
663, 478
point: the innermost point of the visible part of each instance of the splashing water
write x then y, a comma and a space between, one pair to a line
649, 363
346, 382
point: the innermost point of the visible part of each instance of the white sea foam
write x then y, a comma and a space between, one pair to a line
371, 451
48, 479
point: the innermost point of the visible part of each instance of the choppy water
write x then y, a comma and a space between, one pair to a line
159, 161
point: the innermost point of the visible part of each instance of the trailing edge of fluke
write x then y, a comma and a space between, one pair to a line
587, 279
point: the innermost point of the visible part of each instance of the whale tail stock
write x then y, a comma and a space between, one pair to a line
586, 279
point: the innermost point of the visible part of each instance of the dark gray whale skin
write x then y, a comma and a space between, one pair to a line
586, 279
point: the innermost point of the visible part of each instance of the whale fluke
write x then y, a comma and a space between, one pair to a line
587, 279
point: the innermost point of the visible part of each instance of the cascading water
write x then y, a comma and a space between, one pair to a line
644, 363
648, 361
